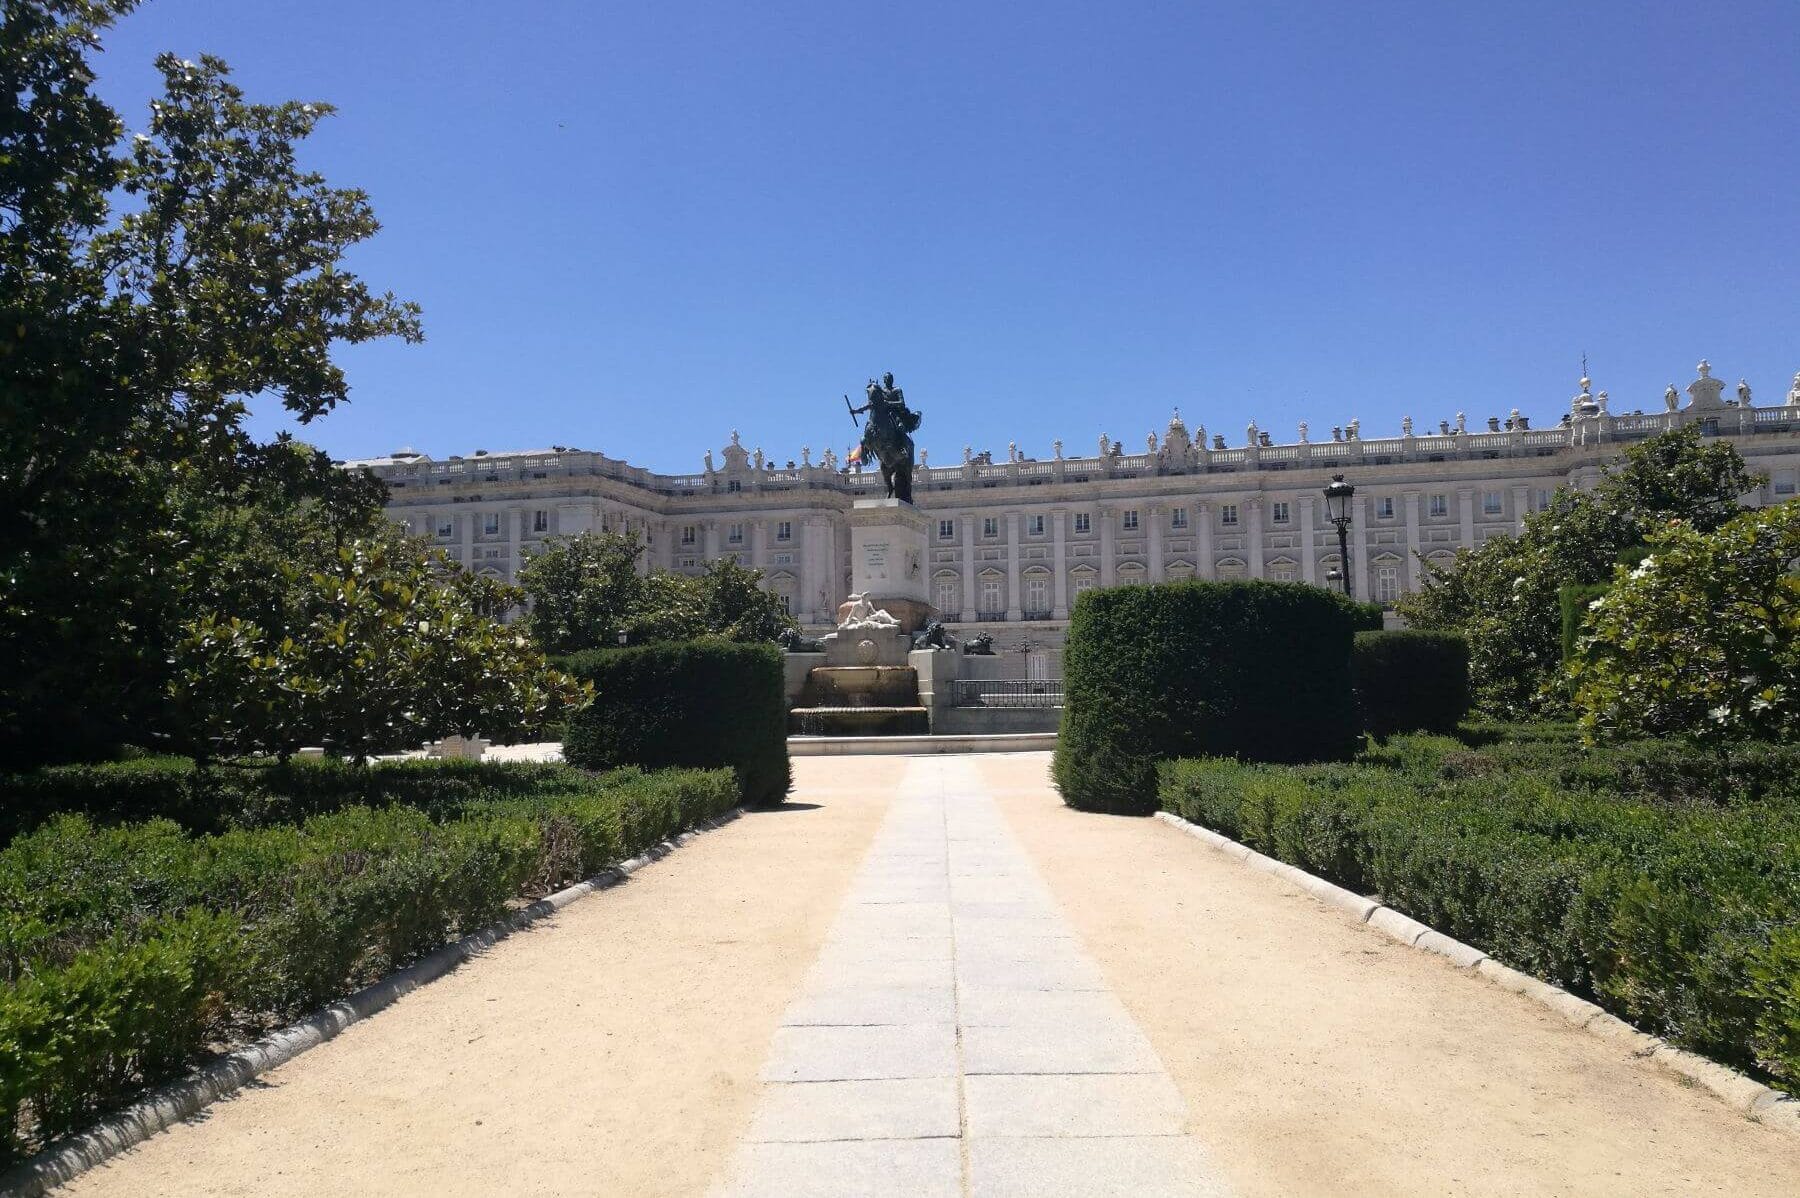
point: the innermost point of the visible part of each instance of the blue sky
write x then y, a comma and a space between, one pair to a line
635, 227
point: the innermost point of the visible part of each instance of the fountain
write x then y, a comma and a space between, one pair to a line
865, 687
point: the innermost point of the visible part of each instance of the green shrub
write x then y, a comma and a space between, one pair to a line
1573, 600
126, 950
1411, 681
1255, 670
1680, 916
699, 703
258, 795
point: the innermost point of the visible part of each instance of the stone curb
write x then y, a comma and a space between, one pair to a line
170, 1104
1744, 1094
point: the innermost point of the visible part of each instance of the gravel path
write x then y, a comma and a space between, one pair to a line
926, 976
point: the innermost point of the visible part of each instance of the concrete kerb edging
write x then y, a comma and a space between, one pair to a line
178, 1100
1745, 1094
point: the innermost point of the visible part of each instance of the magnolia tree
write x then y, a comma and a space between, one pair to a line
1702, 639
1504, 596
387, 646
586, 589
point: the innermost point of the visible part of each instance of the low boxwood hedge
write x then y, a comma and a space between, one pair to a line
254, 795
697, 703
127, 951
1254, 670
1681, 917
1408, 681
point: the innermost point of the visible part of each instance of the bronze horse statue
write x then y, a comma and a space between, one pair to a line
888, 435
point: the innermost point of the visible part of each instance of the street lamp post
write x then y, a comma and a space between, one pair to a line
1337, 507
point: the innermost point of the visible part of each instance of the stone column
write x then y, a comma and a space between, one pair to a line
1109, 572
515, 528
1156, 542
1255, 504
1359, 553
967, 520
468, 538
709, 540
1465, 510
1309, 565
1521, 507
1204, 568
1058, 521
1014, 609
1412, 540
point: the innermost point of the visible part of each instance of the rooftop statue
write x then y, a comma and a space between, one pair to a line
888, 435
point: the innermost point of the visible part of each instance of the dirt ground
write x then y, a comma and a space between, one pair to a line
612, 1050
1319, 1057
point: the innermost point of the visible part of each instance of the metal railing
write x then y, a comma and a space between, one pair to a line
1007, 692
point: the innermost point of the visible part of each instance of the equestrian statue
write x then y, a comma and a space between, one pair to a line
888, 436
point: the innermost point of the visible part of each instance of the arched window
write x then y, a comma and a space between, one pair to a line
1130, 574
993, 595
1180, 571
1037, 594
946, 590
1282, 569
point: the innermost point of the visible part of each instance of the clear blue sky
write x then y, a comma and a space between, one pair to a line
635, 227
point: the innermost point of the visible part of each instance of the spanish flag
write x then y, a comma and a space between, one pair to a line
855, 458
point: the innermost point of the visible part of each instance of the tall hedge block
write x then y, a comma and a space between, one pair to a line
698, 703
1411, 681
1258, 671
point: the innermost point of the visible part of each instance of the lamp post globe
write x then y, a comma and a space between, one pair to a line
1337, 507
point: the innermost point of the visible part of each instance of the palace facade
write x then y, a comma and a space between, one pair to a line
1013, 542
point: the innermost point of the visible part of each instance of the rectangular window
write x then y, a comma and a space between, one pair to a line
949, 595
1387, 584
1440, 505
946, 529
1178, 518
490, 524
993, 597
1384, 508
1131, 520
1279, 512
734, 486
990, 526
1543, 498
1228, 514
1037, 526
446, 529
784, 530
1082, 522
1491, 504
735, 534
1784, 482
1281, 573
689, 534
540, 521
786, 601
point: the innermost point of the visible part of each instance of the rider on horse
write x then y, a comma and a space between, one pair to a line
888, 435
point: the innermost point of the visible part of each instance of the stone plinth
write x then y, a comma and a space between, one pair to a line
888, 542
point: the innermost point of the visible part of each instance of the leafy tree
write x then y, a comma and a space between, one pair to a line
388, 646
1702, 638
129, 341
1503, 596
736, 606
586, 589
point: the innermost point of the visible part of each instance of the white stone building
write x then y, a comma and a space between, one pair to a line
1013, 542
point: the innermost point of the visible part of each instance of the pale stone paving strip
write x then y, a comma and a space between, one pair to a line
954, 1037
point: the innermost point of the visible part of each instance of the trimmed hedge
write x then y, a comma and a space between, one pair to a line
698, 703
1573, 601
254, 795
1680, 917
126, 952
1411, 681
1255, 670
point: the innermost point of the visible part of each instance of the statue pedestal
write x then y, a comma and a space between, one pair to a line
888, 555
